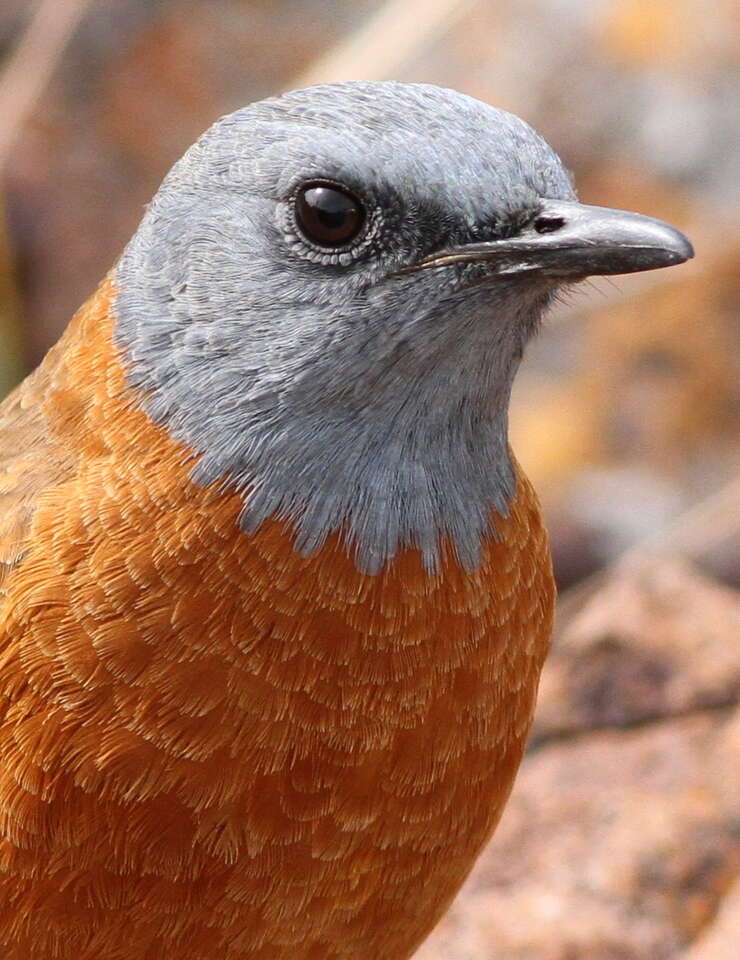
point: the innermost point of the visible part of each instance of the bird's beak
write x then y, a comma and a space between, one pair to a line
569, 239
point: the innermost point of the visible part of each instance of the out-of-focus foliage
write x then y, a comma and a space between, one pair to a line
625, 413
11, 359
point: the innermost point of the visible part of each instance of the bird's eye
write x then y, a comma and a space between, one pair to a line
327, 214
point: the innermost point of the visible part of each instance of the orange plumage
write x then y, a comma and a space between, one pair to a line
212, 746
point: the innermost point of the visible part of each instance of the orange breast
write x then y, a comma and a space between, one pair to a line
216, 748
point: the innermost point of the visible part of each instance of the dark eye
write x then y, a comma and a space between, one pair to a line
327, 214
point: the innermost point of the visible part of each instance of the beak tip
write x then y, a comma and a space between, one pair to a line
632, 243
676, 245
686, 250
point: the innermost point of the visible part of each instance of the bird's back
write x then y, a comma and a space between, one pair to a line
211, 745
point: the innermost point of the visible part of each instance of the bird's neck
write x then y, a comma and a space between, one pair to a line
403, 450
387, 478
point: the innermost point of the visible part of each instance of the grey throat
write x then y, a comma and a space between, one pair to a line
343, 389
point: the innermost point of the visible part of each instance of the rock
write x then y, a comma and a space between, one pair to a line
616, 845
622, 836
720, 941
657, 640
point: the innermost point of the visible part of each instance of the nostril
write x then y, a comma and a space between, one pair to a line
548, 224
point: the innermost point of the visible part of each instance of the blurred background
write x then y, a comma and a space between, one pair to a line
621, 840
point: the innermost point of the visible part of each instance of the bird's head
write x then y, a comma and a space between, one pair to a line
329, 296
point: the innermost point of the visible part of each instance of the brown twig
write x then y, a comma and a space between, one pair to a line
385, 42
22, 81
11, 347
32, 63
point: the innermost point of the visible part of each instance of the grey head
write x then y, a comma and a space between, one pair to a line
329, 297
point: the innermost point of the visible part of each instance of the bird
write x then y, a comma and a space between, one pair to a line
275, 593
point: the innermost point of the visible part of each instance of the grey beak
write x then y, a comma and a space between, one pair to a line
569, 239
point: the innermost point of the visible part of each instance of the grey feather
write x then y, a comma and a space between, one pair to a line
333, 390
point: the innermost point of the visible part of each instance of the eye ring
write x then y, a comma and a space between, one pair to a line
328, 215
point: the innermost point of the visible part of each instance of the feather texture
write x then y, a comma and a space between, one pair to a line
212, 746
